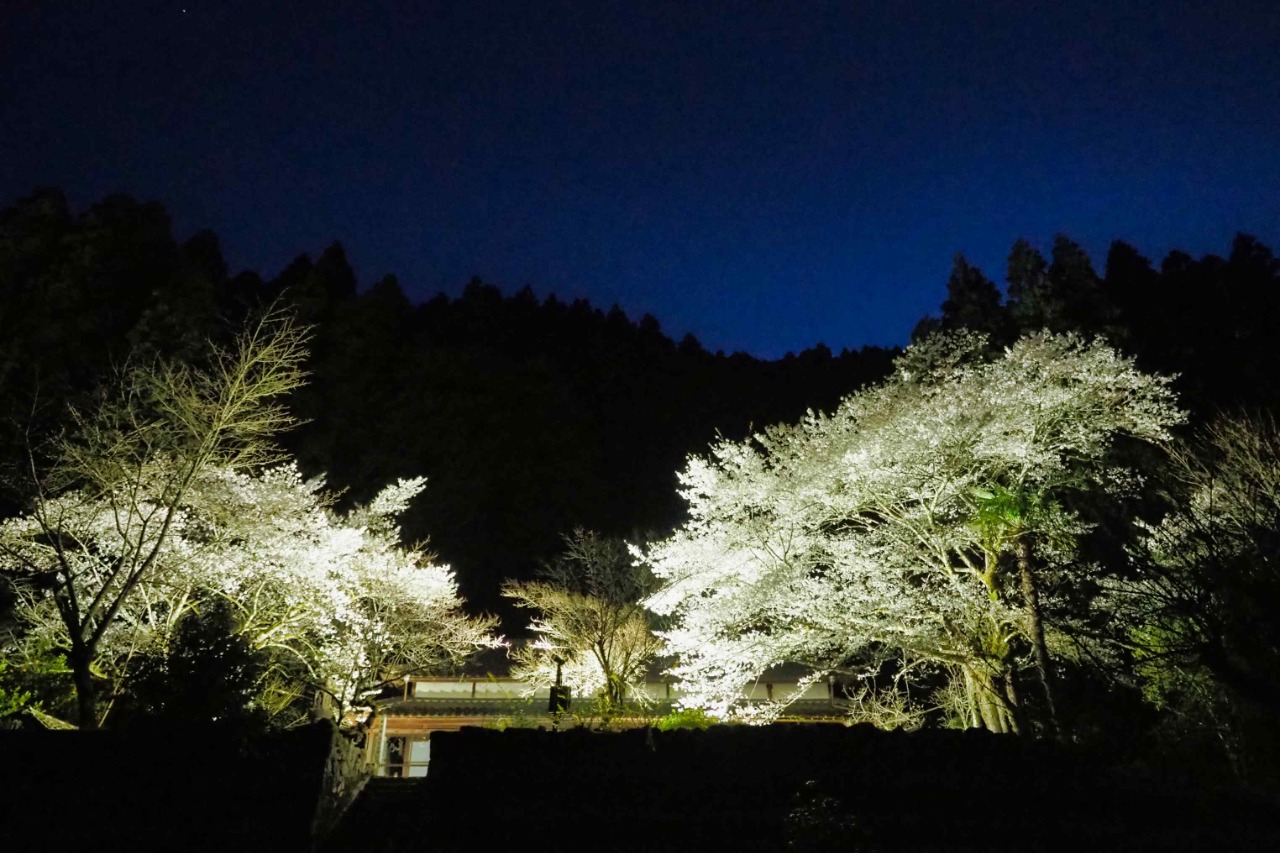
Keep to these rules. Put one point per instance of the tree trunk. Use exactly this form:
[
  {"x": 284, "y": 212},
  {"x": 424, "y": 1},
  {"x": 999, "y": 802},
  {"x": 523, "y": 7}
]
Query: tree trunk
[
  {"x": 86, "y": 692},
  {"x": 972, "y": 693},
  {"x": 614, "y": 691},
  {"x": 988, "y": 705},
  {"x": 1012, "y": 704},
  {"x": 1035, "y": 626}
]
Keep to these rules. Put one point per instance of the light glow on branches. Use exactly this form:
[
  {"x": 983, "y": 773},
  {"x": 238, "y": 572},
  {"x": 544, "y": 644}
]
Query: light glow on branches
[
  {"x": 852, "y": 539},
  {"x": 334, "y": 600}
]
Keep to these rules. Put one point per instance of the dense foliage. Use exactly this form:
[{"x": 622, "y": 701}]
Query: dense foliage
[
  {"x": 1196, "y": 617},
  {"x": 109, "y": 502},
  {"x": 920, "y": 522},
  {"x": 535, "y": 416},
  {"x": 531, "y": 416},
  {"x": 592, "y": 633},
  {"x": 168, "y": 496}
]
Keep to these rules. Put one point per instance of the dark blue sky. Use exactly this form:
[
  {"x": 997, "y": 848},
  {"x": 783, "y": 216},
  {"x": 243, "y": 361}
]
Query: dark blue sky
[{"x": 764, "y": 177}]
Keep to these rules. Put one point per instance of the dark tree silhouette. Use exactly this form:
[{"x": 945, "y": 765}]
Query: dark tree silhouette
[
  {"x": 209, "y": 674},
  {"x": 973, "y": 302}
]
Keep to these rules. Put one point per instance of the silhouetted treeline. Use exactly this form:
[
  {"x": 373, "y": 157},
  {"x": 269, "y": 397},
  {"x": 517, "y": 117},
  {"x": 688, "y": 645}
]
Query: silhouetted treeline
[
  {"x": 531, "y": 416},
  {"x": 1212, "y": 321},
  {"x": 528, "y": 416}
]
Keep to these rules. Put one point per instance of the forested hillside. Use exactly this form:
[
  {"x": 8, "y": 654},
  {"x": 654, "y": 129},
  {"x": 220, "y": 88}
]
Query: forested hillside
[
  {"x": 531, "y": 416},
  {"x": 528, "y": 416}
]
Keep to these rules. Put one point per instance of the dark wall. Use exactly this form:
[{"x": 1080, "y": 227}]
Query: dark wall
[
  {"x": 176, "y": 790},
  {"x": 750, "y": 788}
]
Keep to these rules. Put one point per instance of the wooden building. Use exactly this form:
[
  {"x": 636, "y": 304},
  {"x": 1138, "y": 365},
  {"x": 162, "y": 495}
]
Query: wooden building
[{"x": 399, "y": 734}]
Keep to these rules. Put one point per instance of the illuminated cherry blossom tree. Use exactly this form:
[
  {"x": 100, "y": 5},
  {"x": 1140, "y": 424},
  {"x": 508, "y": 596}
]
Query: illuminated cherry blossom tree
[
  {"x": 106, "y": 508},
  {"x": 332, "y": 601},
  {"x": 334, "y": 596},
  {"x": 914, "y": 524},
  {"x": 171, "y": 494},
  {"x": 592, "y": 631}
]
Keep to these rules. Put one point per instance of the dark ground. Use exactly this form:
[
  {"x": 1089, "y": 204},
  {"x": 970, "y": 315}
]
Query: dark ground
[{"x": 790, "y": 787}]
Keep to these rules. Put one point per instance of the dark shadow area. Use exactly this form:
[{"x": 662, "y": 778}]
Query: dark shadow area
[
  {"x": 164, "y": 789},
  {"x": 800, "y": 788}
]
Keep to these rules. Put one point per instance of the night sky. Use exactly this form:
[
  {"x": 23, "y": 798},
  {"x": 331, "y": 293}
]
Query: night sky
[{"x": 764, "y": 177}]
